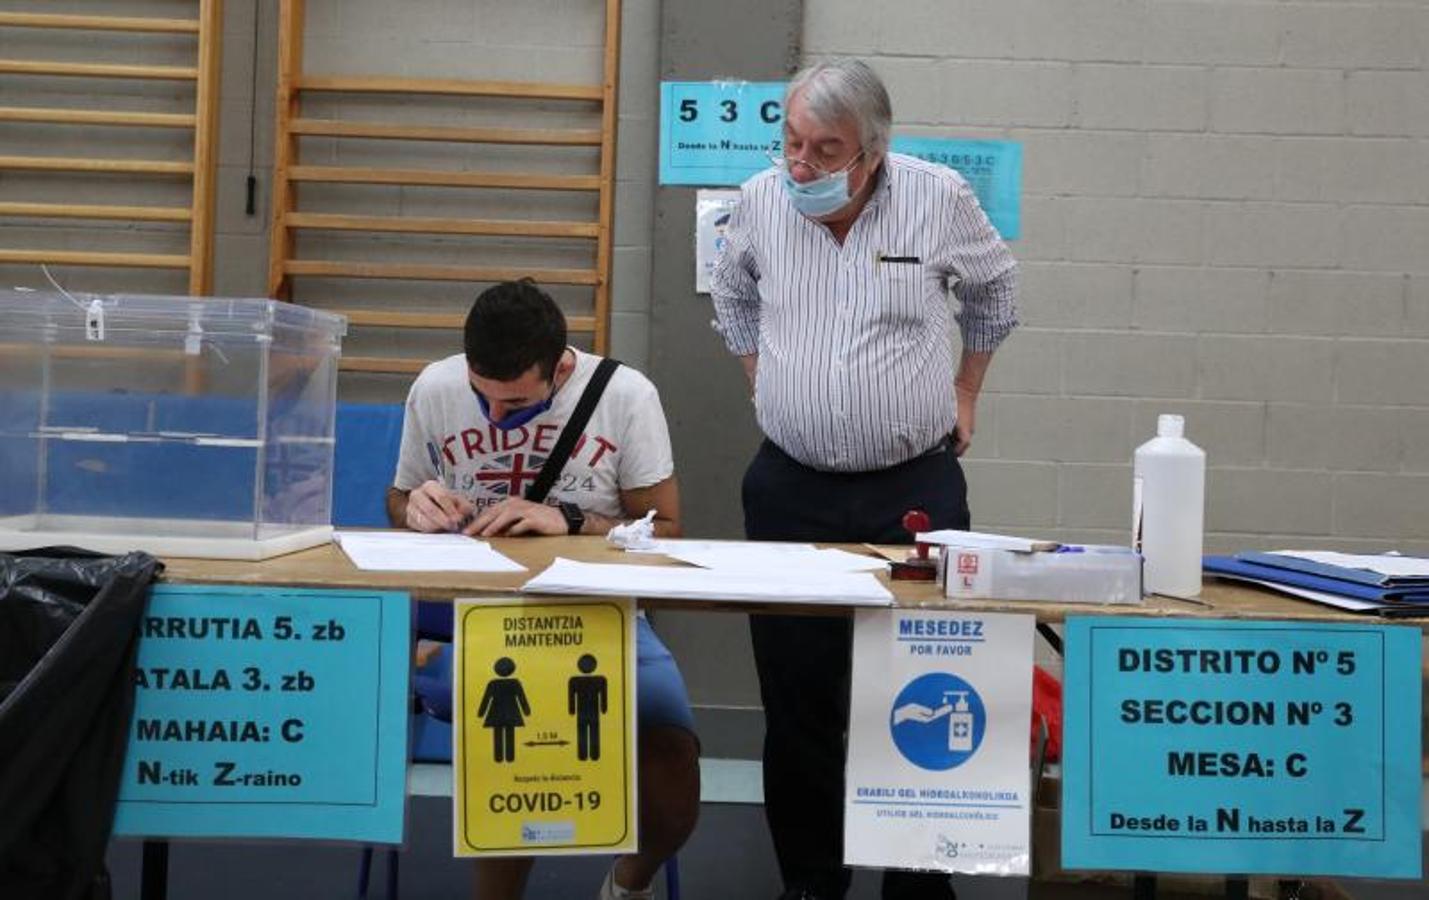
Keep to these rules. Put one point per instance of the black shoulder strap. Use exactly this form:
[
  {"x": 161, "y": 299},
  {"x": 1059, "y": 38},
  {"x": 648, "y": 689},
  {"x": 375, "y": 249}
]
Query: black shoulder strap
[{"x": 551, "y": 469}]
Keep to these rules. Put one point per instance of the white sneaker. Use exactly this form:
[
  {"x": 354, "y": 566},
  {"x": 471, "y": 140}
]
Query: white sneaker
[{"x": 609, "y": 890}]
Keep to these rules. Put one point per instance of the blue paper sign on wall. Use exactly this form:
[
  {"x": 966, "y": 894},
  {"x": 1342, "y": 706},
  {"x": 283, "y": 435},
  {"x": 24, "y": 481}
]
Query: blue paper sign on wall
[
  {"x": 719, "y": 133},
  {"x": 265, "y": 712},
  {"x": 1246, "y": 747}
]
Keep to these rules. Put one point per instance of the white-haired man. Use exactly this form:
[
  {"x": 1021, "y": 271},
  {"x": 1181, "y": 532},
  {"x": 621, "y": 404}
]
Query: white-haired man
[{"x": 833, "y": 293}]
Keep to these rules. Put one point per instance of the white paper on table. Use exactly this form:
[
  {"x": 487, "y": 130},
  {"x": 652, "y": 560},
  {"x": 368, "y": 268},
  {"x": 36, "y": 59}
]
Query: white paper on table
[
  {"x": 949, "y": 537},
  {"x": 1389, "y": 564},
  {"x": 753, "y": 558},
  {"x": 566, "y": 576},
  {"x": 409, "y": 551},
  {"x": 673, "y": 545}
]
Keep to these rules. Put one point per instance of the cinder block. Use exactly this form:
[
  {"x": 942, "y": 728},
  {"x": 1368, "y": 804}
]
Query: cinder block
[
  {"x": 636, "y": 148},
  {"x": 1267, "y": 500},
  {"x": 1183, "y": 298},
  {"x": 1320, "y": 436},
  {"x": 1336, "y": 303},
  {"x": 1090, "y": 163},
  {"x": 1095, "y": 497},
  {"x": 837, "y": 29},
  {"x": 1141, "y": 98},
  {"x": 1016, "y": 494},
  {"x": 1273, "y": 234},
  {"x": 1416, "y": 317},
  {"x": 1110, "y": 364},
  {"x": 912, "y": 86},
  {"x": 1343, "y": 36},
  {"x": 639, "y": 88},
  {"x": 1232, "y": 434},
  {"x": 1352, "y": 170},
  {"x": 1385, "y": 506},
  {"x": 1278, "y": 101},
  {"x": 1383, "y": 373},
  {"x": 1028, "y": 94},
  {"x": 1028, "y": 362},
  {"x": 1220, "y": 34},
  {"x": 240, "y": 265},
  {"x": 634, "y": 213},
  {"x": 1044, "y": 229},
  {"x": 963, "y": 29},
  {"x": 1388, "y": 103},
  {"x": 1081, "y": 30},
  {"x": 630, "y": 338},
  {"x": 630, "y": 289},
  {"x": 1074, "y": 295},
  {"x": 1064, "y": 429},
  {"x": 1266, "y": 368},
  {"x": 1395, "y": 238},
  {"x": 552, "y": 23},
  {"x": 1414, "y": 438},
  {"x": 1208, "y": 167},
  {"x": 1115, "y": 229}
]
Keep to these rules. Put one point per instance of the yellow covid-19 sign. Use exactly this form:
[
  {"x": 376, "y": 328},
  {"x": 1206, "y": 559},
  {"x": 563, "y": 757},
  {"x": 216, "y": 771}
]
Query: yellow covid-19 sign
[{"x": 544, "y": 727}]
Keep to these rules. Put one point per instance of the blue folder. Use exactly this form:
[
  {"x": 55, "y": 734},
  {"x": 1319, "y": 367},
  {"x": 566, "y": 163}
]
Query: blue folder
[
  {"x": 1242, "y": 568},
  {"x": 1339, "y": 573}
]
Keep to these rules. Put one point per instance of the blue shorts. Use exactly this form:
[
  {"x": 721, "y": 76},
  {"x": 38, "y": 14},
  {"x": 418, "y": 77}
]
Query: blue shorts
[{"x": 659, "y": 686}]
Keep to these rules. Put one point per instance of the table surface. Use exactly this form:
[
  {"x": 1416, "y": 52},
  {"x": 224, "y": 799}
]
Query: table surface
[{"x": 326, "y": 567}]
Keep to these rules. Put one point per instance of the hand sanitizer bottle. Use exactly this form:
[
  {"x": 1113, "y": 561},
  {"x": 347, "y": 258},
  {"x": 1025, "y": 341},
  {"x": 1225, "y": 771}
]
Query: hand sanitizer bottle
[
  {"x": 960, "y": 723},
  {"x": 1170, "y": 497}
]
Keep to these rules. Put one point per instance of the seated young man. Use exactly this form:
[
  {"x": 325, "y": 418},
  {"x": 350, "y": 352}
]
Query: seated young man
[{"x": 479, "y": 427}]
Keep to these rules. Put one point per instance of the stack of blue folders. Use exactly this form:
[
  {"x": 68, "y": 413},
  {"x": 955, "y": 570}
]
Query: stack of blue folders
[{"x": 1359, "y": 587}]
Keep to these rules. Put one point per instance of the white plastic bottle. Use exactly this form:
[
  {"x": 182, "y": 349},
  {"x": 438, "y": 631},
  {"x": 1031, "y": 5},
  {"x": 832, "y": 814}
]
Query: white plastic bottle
[{"x": 1170, "y": 492}]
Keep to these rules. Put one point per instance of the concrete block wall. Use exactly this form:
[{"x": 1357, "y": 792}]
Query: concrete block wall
[
  {"x": 1226, "y": 216},
  {"x": 531, "y": 40}
]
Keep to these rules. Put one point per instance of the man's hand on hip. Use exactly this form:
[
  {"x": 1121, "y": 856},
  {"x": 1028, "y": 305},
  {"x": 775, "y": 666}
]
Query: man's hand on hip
[
  {"x": 967, "y": 421},
  {"x": 432, "y": 507},
  {"x": 516, "y": 516}
]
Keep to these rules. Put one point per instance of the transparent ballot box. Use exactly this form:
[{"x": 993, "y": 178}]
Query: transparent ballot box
[{"x": 182, "y": 426}]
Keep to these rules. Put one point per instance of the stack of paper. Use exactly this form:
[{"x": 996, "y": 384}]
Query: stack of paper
[
  {"x": 566, "y": 576},
  {"x": 1388, "y": 584},
  {"x": 979, "y": 540},
  {"x": 409, "y": 551}
]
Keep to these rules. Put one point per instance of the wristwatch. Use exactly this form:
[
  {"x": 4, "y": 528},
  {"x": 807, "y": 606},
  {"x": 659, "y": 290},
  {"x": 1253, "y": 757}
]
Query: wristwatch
[{"x": 575, "y": 517}]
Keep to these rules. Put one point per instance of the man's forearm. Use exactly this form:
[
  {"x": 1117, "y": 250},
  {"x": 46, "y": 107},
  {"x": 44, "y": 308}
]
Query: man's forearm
[
  {"x": 397, "y": 507},
  {"x": 751, "y": 368},
  {"x": 972, "y": 369}
]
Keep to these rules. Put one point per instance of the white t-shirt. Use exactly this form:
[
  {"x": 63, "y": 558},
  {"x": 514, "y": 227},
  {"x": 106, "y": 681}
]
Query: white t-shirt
[{"x": 445, "y": 436}]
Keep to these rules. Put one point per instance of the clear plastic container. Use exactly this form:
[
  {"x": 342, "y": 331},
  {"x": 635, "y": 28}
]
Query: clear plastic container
[
  {"x": 1077, "y": 574},
  {"x": 182, "y": 426}
]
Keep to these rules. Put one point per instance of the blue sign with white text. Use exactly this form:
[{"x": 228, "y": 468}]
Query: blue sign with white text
[
  {"x": 719, "y": 133},
  {"x": 1247, "y": 747},
  {"x": 267, "y": 712}
]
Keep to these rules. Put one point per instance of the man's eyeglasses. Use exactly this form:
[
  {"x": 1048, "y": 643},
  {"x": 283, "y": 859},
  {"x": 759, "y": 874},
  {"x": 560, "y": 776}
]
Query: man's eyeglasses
[{"x": 793, "y": 166}]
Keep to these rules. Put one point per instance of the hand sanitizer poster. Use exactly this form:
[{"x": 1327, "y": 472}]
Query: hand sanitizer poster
[{"x": 938, "y": 751}]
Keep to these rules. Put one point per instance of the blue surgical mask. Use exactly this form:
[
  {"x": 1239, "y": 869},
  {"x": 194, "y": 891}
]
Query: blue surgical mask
[
  {"x": 820, "y": 197},
  {"x": 515, "y": 418}
]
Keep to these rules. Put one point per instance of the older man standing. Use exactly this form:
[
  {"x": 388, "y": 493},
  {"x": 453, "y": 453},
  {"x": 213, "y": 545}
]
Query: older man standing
[{"x": 833, "y": 293}]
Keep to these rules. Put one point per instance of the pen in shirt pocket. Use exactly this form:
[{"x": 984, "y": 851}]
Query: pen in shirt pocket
[{"x": 881, "y": 257}]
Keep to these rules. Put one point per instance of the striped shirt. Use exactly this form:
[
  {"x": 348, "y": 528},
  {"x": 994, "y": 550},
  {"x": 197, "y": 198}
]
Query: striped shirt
[{"x": 855, "y": 341}]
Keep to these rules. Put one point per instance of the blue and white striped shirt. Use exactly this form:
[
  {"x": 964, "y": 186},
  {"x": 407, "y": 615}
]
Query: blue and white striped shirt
[{"x": 856, "y": 352}]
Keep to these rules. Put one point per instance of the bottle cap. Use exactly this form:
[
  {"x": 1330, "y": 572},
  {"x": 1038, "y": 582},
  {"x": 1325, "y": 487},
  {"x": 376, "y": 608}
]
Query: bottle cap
[{"x": 1170, "y": 426}]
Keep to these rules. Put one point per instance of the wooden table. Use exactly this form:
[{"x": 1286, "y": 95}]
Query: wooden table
[{"x": 327, "y": 567}]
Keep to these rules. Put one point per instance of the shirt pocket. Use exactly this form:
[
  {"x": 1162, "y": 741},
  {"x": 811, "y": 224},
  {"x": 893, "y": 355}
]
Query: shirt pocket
[{"x": 902, "y": 303}]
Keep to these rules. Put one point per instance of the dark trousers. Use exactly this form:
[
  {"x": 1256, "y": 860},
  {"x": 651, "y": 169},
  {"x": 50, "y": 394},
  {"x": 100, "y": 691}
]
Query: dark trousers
[{"x": 803, "y": 661}]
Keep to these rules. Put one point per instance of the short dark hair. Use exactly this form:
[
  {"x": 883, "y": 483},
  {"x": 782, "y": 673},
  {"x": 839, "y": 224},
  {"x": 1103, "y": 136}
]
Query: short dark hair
[{"x": 513, "y": 326}]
